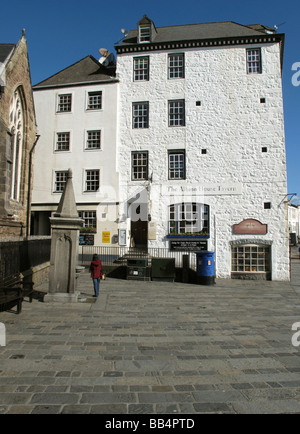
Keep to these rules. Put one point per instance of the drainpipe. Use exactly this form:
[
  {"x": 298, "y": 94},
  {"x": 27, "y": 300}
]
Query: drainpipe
[{"x": 29, "y": 184}]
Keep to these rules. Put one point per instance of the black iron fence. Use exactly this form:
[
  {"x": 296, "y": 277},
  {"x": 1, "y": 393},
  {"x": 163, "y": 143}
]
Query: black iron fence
[
  {"x": 17, "y": 256},
  {"x": 114, "y": 256}
]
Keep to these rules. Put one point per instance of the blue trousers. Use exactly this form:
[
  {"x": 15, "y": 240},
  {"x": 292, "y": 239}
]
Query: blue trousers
[{"x": 96, "y": 283}]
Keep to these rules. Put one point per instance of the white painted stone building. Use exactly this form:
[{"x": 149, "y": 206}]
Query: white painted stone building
[
  {"x": 294, "y": 219},
  {"x": 77, "y": 123},
  {"x": 201, "y": 146}
]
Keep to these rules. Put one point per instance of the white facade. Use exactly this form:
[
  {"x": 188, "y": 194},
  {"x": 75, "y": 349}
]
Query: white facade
[
  {"x": 232, "y": 147},
  {"x": 84, "y": 140},
  {"x": 192, "y": 153},
  {"x": 294, "y": 219}
]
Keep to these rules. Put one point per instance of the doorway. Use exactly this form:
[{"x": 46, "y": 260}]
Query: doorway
[
  {"x": 139, "y": 232},
  {"x": 138, "y": 213}
]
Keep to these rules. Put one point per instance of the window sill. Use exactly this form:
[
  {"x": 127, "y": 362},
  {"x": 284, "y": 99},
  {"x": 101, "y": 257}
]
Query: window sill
[
  {"x": 92, "y": 149},
  {"x": 263, "y": 275}
]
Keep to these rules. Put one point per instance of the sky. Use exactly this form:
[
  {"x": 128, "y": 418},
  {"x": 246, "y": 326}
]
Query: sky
[{"x": 61, "y": 32}]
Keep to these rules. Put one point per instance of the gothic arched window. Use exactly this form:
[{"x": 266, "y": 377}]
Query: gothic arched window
[{"x": 16, "y": 119}]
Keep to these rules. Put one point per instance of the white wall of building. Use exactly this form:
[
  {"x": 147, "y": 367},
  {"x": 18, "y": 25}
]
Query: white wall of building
[
  {"x": 47, "y": 160},
  {"x": 294, "y": 219},
  {"x": 235, "y": 178}
]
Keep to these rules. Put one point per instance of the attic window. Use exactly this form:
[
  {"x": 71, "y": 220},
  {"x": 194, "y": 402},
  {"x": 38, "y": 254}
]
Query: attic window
[{"x": 144, "y": 33}]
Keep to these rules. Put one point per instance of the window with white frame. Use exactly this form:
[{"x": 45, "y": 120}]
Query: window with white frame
[
  {"x": 62, "y": 141},
  {"x": 139, "y": 166},
  {"x": 250, "y": 258},
  {"x": 254, "y": 61},
  {"x": 93, "y": 139},
  {"x": 141, "y": 68},
  {"x": 176, "y": 164},
  {"x": 95, "y": 100},
  {"x": 60, "y": 179},
  {"x": 189, "y": 218},
  {"x": 144, "y": 33},
  {"x": 64, "y": 103},
  {"x": 140, "y": 114},
  {"x": 92, "y": 180},
  {"x": 176, "y": 113},
  {"x": 89, "y": 219},
  {"x": 176, "y": 65}
]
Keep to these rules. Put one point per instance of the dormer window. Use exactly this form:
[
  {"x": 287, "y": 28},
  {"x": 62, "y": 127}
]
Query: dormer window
[
  {"x": 145, "y": 33},
  {"x": 146, "y": 30}
]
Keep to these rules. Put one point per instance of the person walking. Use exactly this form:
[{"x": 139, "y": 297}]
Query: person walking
[{"x": 96, "y": 273}]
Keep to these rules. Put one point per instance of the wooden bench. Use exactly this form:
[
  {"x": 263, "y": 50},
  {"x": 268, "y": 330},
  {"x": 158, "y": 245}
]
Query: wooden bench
[
  {"x": 12, "y": 293},
  {"x": 11, "y": 297}
]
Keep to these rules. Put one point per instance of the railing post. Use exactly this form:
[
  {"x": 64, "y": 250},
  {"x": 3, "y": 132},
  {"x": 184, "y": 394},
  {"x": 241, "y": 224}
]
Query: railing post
[{"x": 185, "y": 268}]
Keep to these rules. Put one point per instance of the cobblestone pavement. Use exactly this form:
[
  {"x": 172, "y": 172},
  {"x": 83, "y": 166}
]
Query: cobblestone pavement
[{"x": 156, "y": 348}]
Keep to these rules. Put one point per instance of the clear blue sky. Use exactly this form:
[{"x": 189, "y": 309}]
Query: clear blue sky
[{"x": 61, "y": 32}]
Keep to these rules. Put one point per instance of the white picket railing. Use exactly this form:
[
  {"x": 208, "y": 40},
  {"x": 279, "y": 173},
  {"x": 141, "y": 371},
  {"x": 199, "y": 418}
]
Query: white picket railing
[{"x": 114, "y": 256}]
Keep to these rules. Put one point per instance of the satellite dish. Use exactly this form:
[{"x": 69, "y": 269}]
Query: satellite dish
[
  {"x": 107, "y": 59},
  {"x": 103, "y": 61},
  {"x": 104, "y": 52},
  {"x": 281, "y": 24},
  {"x": 125, "y": 33}
]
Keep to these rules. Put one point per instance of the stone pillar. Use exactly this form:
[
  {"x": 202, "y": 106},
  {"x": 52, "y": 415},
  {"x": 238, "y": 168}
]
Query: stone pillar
[{"x": 65, "y": 226}]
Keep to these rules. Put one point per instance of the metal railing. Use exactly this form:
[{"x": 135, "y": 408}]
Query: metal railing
[
  {"x": 114, "y": 256},
  {"x": 21, "y": 255}
]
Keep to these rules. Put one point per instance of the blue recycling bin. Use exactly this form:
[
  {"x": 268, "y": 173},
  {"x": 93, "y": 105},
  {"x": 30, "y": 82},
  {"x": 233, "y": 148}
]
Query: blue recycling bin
[{"x": 205, "y": 267}]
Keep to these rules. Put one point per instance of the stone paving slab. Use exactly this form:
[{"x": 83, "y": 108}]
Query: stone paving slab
[{"x": 155, "y": 348}]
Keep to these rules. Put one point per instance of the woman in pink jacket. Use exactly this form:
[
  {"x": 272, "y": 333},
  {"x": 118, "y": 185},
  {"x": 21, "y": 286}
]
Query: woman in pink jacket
[{"x": 96, "y": 273}]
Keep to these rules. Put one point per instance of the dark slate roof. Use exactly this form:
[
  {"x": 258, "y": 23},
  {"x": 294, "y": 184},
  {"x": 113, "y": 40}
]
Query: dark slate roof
[
  {"x": 86, "y": 70},
  {"x": 226, "y": 29},
  {"x": 145, "y": 20},
  {"x": 5, "y": 50}
]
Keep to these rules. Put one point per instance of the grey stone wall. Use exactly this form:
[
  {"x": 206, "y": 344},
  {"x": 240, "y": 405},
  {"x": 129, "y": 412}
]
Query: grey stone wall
[{"x": 13, "y": 214}]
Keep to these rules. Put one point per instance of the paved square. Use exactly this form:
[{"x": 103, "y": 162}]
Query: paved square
[{"x": 156, "y": 348}]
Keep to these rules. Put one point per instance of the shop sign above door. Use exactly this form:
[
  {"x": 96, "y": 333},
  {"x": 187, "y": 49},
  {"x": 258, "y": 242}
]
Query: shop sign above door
[{"x": 250, "y": 226}]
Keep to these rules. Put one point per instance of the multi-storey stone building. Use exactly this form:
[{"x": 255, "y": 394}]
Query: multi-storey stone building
[
  {"x": 17, "y": 139},
  {"x": 183, "y": 149},
  {"x": 201, "y": 146}
]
